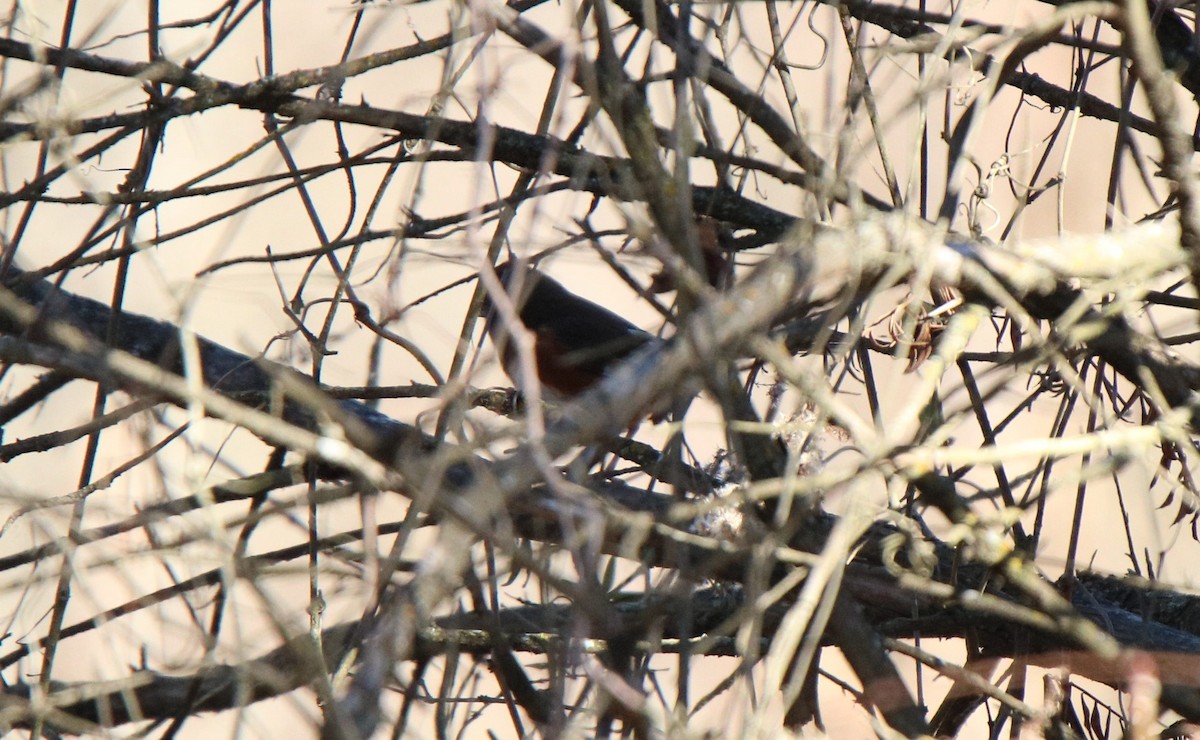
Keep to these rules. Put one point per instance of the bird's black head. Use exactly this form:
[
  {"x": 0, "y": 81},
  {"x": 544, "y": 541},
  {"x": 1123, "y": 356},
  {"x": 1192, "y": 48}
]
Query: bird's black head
[{"x": 537, "y": 297}]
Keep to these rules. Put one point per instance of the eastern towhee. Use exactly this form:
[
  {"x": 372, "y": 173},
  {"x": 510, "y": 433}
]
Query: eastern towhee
[{"x": 576, "y": 340}]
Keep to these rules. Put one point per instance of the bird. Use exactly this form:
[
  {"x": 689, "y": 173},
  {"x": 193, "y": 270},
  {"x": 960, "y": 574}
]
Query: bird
[{"x": 576, "y": 341}]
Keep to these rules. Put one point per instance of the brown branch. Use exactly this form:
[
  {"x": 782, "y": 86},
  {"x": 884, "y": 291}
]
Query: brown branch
[{"x": 546, "y": 629}]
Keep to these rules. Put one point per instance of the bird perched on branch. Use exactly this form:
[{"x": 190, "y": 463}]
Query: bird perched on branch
[{"x": 576, "y": 341}]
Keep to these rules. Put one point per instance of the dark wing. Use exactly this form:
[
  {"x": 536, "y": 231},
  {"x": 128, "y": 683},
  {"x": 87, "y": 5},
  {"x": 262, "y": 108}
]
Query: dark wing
[
  {"x": 577, "y": 340},
  {"x": 588, "y": 335},
  {"x": 592, "y": 346}
]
